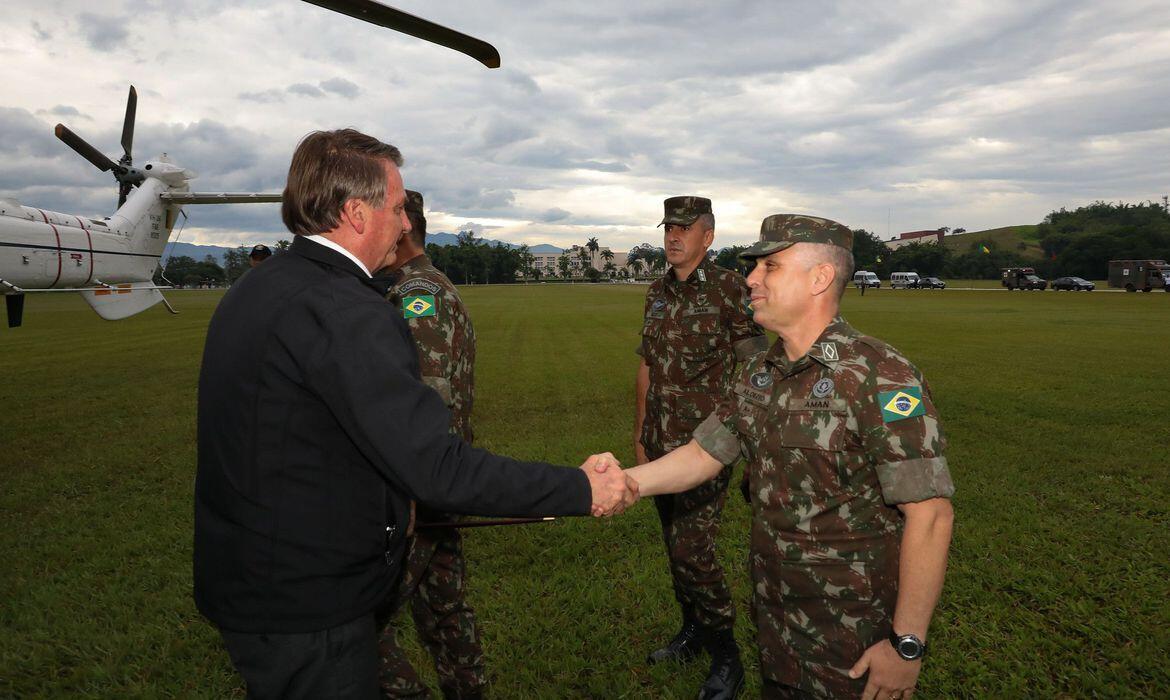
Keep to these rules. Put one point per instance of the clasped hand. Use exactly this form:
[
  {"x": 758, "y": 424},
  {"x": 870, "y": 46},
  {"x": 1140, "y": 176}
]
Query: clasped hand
[{"x": 613, "y": 491}]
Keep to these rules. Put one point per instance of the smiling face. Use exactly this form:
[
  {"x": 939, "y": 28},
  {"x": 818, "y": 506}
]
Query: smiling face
[
  {"x": 782, "y": 288},
  {"x": 686, "y": 245}
]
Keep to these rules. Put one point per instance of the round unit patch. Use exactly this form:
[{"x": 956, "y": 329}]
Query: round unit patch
[
  {"x": 822, "y": 388},
  {"x": 761, "y": 380},
  {"x": 658, "y": 305}
]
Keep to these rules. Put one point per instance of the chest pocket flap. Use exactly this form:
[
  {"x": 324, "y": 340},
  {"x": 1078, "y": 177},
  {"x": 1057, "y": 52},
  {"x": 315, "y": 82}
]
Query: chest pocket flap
[{"x": 814, "y": 424}]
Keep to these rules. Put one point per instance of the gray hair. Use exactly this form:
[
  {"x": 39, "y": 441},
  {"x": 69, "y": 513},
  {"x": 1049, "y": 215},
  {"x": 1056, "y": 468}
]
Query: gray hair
[
  {"x": 330, "y": 168},
  {"x": 707, "y": 220},
  {"x": 827, "y": 253}
]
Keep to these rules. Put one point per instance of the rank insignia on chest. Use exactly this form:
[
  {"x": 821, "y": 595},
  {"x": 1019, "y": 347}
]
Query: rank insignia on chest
[
  {"x": 822, "y": 388},
  {"x": 901, "y": 403},
  {"x": 417, "y": 307},
  {"x": 702, "y": 274},
  {"x": 829, "y": 352}
]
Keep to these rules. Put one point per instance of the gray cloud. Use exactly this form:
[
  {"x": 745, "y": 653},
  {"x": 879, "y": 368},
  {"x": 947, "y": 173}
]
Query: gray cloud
[
  {"x": 554, "y": 214},
  {"x": 341, "y": 86},
  {"x": 104, "y": 33},
  {"x": 306, "y": 90}
]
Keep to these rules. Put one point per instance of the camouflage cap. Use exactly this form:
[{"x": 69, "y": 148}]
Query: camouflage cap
[
  {"x": 684, "y": 210},
  {"x": 780, "y": 231},
  {"x": 414, "y": 202}
]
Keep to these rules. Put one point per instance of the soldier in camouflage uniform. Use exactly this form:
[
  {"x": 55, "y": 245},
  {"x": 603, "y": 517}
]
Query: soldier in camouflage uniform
[
  {"x": 849, "y": 485},
  {"x": 433, "y": 579},
  {"x": 697, "y": 326}
]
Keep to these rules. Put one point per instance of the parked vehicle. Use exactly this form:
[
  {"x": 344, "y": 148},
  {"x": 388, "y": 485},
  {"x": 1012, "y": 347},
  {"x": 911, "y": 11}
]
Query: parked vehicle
[
  {"x": 1073, "y": 284},
  {"x": 863, "y": 278},
  {"x": 903, "y": 280},
  {"x": 930, "y": 283},
  {"x": 1145, "y": 275},
  {"x": 1022, "y": 278}
]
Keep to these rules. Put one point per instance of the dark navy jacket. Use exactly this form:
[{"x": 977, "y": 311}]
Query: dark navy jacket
[{"x": 314, "y": 432}]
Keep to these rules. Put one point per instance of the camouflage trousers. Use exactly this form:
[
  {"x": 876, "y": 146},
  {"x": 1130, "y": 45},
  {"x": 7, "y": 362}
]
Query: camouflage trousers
[
  {"x": 690, "y": 522},
  {"x": 433, "y": 585}
]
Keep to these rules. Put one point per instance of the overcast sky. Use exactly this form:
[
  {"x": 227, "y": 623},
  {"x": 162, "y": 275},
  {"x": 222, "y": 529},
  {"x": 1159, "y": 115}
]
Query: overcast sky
[{"x": 892, "y": 116}]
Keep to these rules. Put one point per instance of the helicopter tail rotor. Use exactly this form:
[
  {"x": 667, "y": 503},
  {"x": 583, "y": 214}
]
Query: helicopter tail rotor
[{"x": 124, "y": 171}]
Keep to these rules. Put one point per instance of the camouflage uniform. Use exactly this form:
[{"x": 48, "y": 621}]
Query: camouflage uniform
[
  {"x": 694, "y": 332},
  {"x": 433, "y": 579},
  {"x": 833, "y": 442}
]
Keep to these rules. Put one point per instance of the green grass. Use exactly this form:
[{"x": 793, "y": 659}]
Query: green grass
[
  {"x": 1055, "y": 406},
  {"x": 1006, "y": 238}
]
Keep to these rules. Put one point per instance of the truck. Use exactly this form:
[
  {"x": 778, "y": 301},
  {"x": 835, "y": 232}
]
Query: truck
[
  {"x": 1022, "y": 278},
  {"x": 1132, "y": 275}
]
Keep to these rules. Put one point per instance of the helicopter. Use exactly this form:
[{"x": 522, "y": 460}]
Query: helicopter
[{"x": 111, "y": 260}]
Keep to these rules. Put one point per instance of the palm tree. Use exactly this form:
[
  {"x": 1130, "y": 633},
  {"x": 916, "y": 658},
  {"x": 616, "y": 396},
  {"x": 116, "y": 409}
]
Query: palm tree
[
  {"x": 583, "y": 255},
  {"x": 526, "y": 259},
  {"x": 636, "y": 263},
  {"x": 563, "y": 265},
  {"x": 607, "y": 255},
  {"x": 610, "y": 268},
  {"x": 592, "y": 246}
]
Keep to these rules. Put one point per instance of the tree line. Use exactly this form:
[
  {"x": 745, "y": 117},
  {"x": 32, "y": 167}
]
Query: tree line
[{"x": 1079, "y": 242}]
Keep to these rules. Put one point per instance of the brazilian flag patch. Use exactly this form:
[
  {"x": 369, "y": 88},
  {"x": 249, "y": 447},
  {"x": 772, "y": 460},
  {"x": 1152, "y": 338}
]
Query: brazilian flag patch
[
  {"x": 901, "y": 403},
  {"x": 417, "y": 307}
]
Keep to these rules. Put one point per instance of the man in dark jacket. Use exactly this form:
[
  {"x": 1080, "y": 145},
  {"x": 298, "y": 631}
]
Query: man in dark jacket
[{"x": 315, "y": 432}]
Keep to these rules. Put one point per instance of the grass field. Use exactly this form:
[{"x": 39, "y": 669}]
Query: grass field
[{"x": 1056, "y": 407}]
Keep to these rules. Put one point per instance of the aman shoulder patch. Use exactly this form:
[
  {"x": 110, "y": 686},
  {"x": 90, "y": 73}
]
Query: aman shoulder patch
[
  {"x": 901, "y": 403},
  {"x": 418, "y": 307}
]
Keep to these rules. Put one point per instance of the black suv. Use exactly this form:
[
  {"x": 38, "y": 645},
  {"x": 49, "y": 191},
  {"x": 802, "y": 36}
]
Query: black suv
[
  {"x": 930, "y": 283},
  {"x": 1073, "y": 284}
]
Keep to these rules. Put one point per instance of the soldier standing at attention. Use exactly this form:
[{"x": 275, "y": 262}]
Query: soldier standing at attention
[
  {"x": 697, "y": 326},
  {"x": 433, "y": 580},
  {"x": 850, "y": 490}
]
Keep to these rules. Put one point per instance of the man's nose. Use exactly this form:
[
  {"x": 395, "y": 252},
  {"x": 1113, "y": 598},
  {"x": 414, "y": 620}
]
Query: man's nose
[{"x": 755, "y": 277}]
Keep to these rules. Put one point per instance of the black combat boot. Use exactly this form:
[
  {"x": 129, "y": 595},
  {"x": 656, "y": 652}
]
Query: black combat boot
[
  {"x": 725, "y": 681},
  {"x": 685, "y": 646}
]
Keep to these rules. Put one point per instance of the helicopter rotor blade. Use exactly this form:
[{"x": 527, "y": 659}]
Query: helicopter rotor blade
[
  {"x": 391, "y": 18},
  {"x": 86, "y": 151},
  {"x": 128, "y": 124}
]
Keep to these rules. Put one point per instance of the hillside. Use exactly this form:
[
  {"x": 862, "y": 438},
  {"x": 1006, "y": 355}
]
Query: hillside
[{"x": 1022, "y": 239}]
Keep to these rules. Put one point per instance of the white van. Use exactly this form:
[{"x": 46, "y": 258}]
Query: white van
[
  {"x": 904, "y": 280},
  {"x": 861, "y": 278}
]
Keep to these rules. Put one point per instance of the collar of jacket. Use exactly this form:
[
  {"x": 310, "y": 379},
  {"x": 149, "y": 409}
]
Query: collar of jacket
[
  {"x": 327, "y": 256},
  {"x": 824, "y": 350},
  {"x": 693, "y": 279}
]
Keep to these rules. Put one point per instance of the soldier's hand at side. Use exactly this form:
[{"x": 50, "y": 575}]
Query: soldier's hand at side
[{"x": 890, "y": 676}]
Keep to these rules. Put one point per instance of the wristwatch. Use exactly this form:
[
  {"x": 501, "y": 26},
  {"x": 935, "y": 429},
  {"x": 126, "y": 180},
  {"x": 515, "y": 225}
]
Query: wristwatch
[{"x": 908, "y": 646}]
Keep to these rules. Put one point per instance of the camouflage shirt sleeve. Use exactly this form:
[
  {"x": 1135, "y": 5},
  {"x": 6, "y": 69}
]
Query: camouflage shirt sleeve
[
  {"x": 901, "y": 434},
  {"x": 433, "y": 336},
  {"x": 641, "y": 349},
  {"x": 747, "y": 338}
]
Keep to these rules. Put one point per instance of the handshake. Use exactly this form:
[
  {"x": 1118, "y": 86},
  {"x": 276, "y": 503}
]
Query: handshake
[{"x": 613, "y": 490}]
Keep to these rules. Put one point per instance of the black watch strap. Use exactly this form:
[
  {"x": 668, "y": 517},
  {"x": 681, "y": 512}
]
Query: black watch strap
[{"x": 908, "y": 646}]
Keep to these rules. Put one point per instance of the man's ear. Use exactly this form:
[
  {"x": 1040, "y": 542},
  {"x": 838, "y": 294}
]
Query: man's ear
[
  {"x": 824, "y": 275},
  {"x": 709, "y": 238},
  {"x": 354, "y": 213}
]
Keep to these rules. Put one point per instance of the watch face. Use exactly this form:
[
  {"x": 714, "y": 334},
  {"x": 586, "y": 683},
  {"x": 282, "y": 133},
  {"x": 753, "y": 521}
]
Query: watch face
[{"x": 909, "y": 648}]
